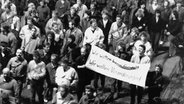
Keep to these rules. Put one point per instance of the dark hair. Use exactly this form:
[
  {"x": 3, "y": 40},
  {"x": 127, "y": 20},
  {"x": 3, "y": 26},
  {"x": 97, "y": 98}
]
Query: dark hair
[
  {"x": 93, "y": 20},
  {"x": 157, "y": 11},
  {"x": 6, "y": 29},
  {"x": 175, "y": 14},
  {"x": 145, "y": 34},
  {"x": 160, "y": 67},
  {"x": 65, "y": 61},
  {"x": 90, "y": 88},
  {"x": 37, "y": 53},
  {"x": 55, "y": 12},
  {"x": 143, "y": 47},
  {"x": 65, "y": 87},
  {"x": 119, "y": 16},
  {"x": 51, "y": 33},
  {"x": 72, "y": 37}
]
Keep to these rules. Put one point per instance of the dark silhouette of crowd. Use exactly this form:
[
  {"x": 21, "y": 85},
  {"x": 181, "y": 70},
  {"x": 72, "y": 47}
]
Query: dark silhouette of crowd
[{"x": 44, "y": 45}]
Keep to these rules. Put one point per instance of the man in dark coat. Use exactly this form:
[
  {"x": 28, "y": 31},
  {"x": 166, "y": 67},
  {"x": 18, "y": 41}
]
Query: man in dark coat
[{"x": 155, "y": 27}]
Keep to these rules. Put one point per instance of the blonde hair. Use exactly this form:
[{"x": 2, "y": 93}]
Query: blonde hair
[{"x": 139, "y": 13}]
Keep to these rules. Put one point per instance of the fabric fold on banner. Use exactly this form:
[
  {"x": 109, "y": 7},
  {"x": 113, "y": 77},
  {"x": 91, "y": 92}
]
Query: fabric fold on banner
[{"x": 104, "y": 63}]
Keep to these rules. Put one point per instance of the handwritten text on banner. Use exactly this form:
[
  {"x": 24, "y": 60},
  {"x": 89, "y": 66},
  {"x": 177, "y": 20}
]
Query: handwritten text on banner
[{"x": 104, "y": 63}]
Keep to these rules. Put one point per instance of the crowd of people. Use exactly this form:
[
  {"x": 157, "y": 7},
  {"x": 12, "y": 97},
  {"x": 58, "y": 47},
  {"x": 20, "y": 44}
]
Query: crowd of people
[{"x": 44, "y": 45}]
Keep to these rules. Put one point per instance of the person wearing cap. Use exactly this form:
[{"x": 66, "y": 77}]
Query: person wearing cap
[
  {"x": 8, "y": 88},
  {"x": 35, "y": 76},
  {"x": 17, "y": 66},
  {"x": 93, "y": 34}
]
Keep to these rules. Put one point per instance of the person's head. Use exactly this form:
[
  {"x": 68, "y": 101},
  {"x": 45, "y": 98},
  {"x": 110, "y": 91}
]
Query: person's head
[
  {"x": 121, "y": 47},
  {"x": 89, "y": 90},
  {"x": 50, "y": 36},
  {"x": 47, "y": 47},
  {"x": 30, "y": 22},
  {"x": 143, "y": 36},
  {"x": 141, "y": 49},
  {"x": 83, "y": 51},
  {"x": 154, "y": 2},
  {"x": 42, "y": 2},
  {"x": 37, "y": 56},
  {"x": 5, "y": 30},
  {"x": 31, "y": 6},
  {"x": 174, "y": 15},
  {"x": 119, "y": 19},
  {"x": 93, "y": 23},
  {"x": 19, "y": 54},
  {"x": 166, "y": 3},
  {"x": 71, "y": 39},
  {"x": 63, "y": 90},
  {"x": 55, "y": 26},
  {"x": 6, "y": 73},
  {"x": 157, "y": 13},
  {"x": 178, "y": 4},
  {"x": 158, "y": 69},
  {"x": 134, "y": 31},
  {"x": 79, "y": 2},
  {"x": 73, "y": 10},
  {"x": 65, "y": 64},
  {"x": 62, "y": 1},
  {"x": 54, "y": 14},
  {"x": 105, "y": 14},
  {"x": 8, "y": 8},
  {"x": 93, "y": 6},
  {"x": 54, "y": 58},
  {"x": 139, "y": 13},
  {"x": 142, "y": 5},
  {"x": 34, "y": 31},
  {"x": 72, "y": 24}
]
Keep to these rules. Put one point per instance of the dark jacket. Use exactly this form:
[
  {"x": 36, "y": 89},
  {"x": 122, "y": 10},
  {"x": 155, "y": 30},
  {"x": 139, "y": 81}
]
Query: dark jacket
[
  {"x": 154, "y": 26},
  {"x": 174, "y": 27},
  {"x": 139, "y": 23},
  {"x": 105, "y": 29}
]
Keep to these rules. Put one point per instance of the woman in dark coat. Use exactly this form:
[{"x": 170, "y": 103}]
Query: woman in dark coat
[{"x": 139, "y": 21}]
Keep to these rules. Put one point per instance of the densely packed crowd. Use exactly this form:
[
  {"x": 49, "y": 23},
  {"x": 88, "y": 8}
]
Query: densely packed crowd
[{"x": 44, "y": 45}]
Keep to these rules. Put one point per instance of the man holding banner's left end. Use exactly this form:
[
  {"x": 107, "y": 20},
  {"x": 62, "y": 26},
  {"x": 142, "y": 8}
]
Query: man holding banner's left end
[{"x": 139, "y": 58}]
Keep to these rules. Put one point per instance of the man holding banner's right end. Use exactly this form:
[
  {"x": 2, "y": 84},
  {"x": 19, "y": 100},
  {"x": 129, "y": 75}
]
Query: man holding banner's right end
[{"x": 139, "y": 58}]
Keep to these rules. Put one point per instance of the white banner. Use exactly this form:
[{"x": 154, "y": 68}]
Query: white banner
[{"x": 104, "y": 63}]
